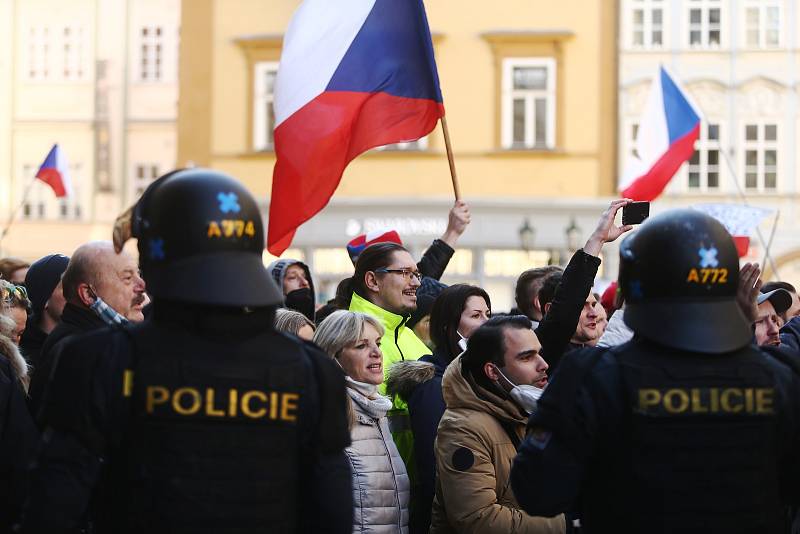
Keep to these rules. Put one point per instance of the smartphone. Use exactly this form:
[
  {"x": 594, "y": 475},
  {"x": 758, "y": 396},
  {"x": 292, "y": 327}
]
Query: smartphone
[{"x": 635, "y": 212}]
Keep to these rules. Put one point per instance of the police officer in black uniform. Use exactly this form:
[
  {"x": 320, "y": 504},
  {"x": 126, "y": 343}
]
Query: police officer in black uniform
[
  {"x": 202, "y": 418},
  {"x": 687, "y": 428}
]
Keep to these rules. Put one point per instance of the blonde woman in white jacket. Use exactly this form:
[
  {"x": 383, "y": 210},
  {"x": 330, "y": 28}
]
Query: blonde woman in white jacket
[{"x": 381, "y": 488}]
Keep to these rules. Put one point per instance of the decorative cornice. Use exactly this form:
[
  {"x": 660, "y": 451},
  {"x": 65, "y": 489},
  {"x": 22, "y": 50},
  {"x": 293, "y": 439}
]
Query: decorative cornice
[{"x": 523, "y": 36}]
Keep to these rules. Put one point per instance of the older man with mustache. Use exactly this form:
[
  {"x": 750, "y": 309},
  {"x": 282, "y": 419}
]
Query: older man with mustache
[{"x": 101, "y": 288}]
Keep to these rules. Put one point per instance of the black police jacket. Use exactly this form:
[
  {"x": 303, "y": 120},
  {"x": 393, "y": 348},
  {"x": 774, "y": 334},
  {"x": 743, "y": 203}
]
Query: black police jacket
[
  {"x": 199, "y": 420},
  {"x": 644, "y": 438}
]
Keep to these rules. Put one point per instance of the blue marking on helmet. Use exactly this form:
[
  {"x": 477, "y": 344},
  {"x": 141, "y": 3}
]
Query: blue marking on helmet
[
  {"x": 708, "y": 257},
  {"x": 636, "y": 289},
  {"x": 228, "y": 202},
  {"x": 156, "y": 249}
]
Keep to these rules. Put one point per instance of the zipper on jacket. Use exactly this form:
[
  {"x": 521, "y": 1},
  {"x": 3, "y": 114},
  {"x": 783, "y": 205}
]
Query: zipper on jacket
[
  {"x": 397, "y": 338},
  {"x": 394, "y": 478}
]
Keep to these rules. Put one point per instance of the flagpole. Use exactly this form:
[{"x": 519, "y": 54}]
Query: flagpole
[
  {"x": 769, "y": 246},
  {"x": 450, "y": 159},
  {"x": 736, "y": 183},
  {"x": 13, "y": 215}
]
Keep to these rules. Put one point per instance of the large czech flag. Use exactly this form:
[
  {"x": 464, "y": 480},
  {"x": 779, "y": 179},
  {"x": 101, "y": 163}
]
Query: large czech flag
[
  {"x": 354, "y": 75},
  {"x": 665, "y": 139}
]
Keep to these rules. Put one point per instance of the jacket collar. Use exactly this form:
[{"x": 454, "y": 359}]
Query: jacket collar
[
  {"x": 81, "y": 318},
  {"x": 390, "y": 321},
  {"x": 461, "y": 391}
]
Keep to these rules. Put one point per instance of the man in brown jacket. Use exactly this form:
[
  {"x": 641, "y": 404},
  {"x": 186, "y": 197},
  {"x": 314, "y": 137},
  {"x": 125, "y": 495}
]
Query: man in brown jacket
[{"x": 489, "y": 392}]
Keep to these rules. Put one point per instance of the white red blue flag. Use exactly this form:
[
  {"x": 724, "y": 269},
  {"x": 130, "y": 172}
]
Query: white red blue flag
[
  {"x": 665, "y": 139},
  {"x": 354, "y": 75},
  {"x": 55, "y": 172}
]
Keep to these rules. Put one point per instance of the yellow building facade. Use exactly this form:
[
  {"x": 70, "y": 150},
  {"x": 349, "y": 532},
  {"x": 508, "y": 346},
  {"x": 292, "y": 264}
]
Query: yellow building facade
[{"x": 530, "y": 91}]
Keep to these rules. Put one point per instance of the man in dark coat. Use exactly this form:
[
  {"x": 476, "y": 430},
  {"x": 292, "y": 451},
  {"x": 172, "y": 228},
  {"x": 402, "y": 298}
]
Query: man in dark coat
[{"x": 43, "y": 282}]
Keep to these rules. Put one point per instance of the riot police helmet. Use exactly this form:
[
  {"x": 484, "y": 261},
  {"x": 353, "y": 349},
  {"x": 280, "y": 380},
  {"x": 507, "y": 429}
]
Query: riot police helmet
[
  {"x": 679, "y": 276},
  {"x": 200, "y": 239}
]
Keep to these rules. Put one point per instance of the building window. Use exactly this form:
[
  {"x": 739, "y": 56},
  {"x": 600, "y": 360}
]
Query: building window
[
  {"x": 32, "y": 194},
  {"x": 705, "y": 23},
  {"x": 144, "y": 174},
  {"x": 529, "y": 103},
  {"x": 704, "y": 165},
  {"x": 152, "y": 53},
  {"x": 56, "y": 53},
  {"x": 634, "y": 130},
  {"x": 72, "y": 45},
  {"x": 264, "y": 105},
  {"x": 70, "y": 207},
  {"x": 761, "y": 157},
  {"x": 647, "y": 23},
  {"x": 762, "y": 24},
  {"x": 38, "y": 53}
]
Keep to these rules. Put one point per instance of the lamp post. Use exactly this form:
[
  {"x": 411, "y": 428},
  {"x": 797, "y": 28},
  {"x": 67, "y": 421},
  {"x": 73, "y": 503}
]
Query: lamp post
[
  {"x": 527, "y": 236},
  {"x": 574, "y": 234}
]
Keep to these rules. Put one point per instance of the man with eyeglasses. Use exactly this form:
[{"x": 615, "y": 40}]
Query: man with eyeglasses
[{"x": 384, "y": 286}]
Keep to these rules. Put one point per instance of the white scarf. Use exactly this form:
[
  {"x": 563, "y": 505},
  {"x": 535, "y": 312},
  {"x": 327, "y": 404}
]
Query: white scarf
[{"x": 374, "y": 404}]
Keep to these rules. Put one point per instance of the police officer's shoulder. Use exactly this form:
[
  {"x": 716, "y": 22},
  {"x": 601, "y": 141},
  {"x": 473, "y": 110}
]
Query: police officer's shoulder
[
  {"x": 783, "y": 356},
  {"x": 321, "y": 359},
  {"x": 586, "y": 359},
  {"x": 87, "y": 353}
]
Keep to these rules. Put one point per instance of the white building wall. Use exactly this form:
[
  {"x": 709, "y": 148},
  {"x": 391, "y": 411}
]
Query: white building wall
[
  {"x": 75, "y": 85},
  {"x": 734, "y": 85}
]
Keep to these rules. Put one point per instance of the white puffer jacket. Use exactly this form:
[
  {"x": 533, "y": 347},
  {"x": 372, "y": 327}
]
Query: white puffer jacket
[{"x": 381, "y": 489}]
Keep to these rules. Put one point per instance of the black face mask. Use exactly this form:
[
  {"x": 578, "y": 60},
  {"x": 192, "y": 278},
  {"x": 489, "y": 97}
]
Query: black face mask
[{"x": 301, "y": 300}]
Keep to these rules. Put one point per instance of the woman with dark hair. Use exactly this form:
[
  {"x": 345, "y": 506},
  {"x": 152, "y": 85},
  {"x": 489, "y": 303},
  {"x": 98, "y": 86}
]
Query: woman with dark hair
[{"x": 457, "y": 312}]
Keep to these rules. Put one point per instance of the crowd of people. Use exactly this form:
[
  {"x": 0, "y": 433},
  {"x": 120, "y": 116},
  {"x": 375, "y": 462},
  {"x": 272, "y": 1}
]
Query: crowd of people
[{"x": 233, "y": 401}]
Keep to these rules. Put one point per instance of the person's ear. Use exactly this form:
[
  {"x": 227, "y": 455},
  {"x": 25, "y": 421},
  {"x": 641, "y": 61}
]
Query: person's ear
[
  {"x": 86, "y": 295},
  {"x": 547, "y": 308},
  {"x": 371, "y": 281},
  {"x": 490, "y": 370},
  {"x": 536, "y": 304}
]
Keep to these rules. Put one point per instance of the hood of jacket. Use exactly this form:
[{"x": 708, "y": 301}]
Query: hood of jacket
[
  {"x": 403, "y": 377},
  {"x": 617, "y": 332},
  {"x": 390, "y": 321},
  {"x": 460, "y": 390},
  {"x": 277, "y": 269}
]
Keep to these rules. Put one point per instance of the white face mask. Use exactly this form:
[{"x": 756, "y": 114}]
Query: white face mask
[
  {"x": 462, "y": 341},
  {"x": 525, "y": 395}
]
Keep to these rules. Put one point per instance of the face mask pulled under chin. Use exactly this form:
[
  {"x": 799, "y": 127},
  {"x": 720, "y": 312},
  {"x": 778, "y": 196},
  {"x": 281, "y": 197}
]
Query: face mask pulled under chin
[
  {"x": 462, "y": 341},
  {"x": 525, "y": 395}
]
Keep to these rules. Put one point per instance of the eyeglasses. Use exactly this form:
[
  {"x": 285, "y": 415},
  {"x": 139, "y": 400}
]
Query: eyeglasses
[{"x": 407, "y": 273}]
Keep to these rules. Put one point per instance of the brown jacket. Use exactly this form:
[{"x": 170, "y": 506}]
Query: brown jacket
[{"x": 473, "y": 459}]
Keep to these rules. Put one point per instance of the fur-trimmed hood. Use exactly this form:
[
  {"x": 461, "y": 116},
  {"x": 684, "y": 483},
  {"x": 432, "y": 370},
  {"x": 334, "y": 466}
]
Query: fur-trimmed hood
[
  {"x": 403, "y": 377},
  {"x": 8, "y": 349}
]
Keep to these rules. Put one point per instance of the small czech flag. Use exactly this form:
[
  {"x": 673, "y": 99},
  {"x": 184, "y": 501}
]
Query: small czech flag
[{"x": 55, "y": 172}]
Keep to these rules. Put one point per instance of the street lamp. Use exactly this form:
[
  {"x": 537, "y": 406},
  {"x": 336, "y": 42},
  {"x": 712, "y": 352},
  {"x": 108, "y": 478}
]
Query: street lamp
[
  {"x": 574, "y": 234},
  {"x": 527, "y": 236}
]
